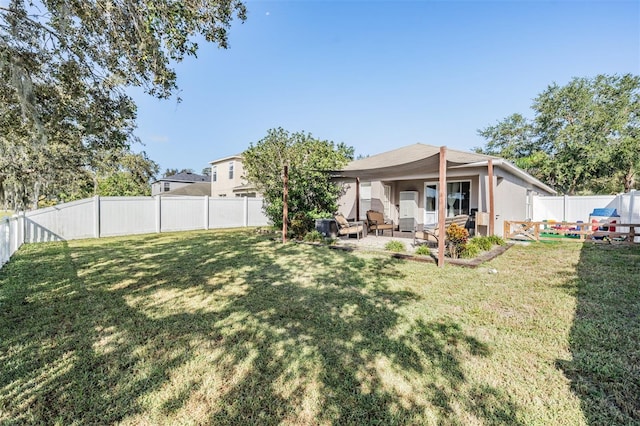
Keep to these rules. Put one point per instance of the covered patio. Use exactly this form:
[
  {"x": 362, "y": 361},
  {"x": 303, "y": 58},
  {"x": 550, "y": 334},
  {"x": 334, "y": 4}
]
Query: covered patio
[{"x": 405, "y": 184}]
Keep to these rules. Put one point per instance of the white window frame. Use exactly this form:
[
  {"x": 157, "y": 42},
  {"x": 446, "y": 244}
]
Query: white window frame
[
  {"x": 387, "y": 200},
  {"x": 365, "y": 199}
]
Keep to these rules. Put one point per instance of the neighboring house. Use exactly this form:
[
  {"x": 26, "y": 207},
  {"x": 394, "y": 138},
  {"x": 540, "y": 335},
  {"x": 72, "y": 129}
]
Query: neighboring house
[
  {"x": 196, "y": 189},
  {"x": 404, "y": 185},
  {"x": 227, "y": 178},
  {"x": 171, "y": 183}
]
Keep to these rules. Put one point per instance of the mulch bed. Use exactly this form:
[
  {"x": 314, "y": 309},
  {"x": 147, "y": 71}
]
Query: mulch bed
[{"x": 468, "y": 263}]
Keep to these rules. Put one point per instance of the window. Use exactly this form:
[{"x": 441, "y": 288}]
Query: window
[
  {"x": 214, "y": 173},
  {"x": 458, "y": 195},
  {"x": 167, "y": 186},
  {"x": 365, "y": 199},
  {"x": 387, "y": 201},
  {"x": 230, "y": 169}
]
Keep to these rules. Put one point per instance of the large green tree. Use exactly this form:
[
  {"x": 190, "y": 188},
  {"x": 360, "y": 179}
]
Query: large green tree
[
  {"x": 584, "y": 136},
  {"x": 311, "y": 190},
  {"x": 64, "y": 66},
  {"x": 130, "y": 175}
]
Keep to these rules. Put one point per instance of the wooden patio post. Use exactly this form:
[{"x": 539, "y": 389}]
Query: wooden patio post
[
  {"x": 357, "y": 198},
  {"x": 285, "y": 203},
  {"x": 492, "y": 213},
  {"x": 441, "y": 204}
]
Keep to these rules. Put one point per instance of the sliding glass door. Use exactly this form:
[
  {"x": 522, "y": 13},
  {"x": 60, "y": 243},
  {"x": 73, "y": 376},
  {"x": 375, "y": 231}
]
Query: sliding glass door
[{"x": 457, "y": 201}]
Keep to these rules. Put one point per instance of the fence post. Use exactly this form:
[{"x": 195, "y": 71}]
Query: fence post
[
  {"x": 96, "y": 216},
  {"x": 20, "y": 228},
  {"x": 246, "y": 211},
  {"x": 632, "y": 196},
  {"x": 158, "y": 214},
  {"x": 4, "y": 225},
  {"x": 15, "y": 234},
  {"x": 565, "y": 207},
  {"x": 206, "y": 212}
]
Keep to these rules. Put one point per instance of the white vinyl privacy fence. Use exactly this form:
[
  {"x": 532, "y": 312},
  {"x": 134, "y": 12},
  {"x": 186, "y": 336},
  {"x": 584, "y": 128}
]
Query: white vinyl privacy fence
[
  {"x": 577, "y": 208},
  {"x": 11, "y": 237},
  {"x": 112, "y": 216}
]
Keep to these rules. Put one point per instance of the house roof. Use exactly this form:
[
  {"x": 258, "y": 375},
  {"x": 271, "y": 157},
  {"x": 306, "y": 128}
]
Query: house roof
[
  {"x": 417, "y": 159},
  {"x": 195, "y": 189},
  {"x": 185, "y": 177},
  {"x": 247, "y": 187},
  {"x": 224, "y": 159},
  {"x": 412, "y": 153}
]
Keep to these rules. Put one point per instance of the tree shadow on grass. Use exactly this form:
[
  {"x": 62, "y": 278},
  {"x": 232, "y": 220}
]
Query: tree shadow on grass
[
  {"x": 605, "y": 336},
  {"x": 226, "y": 328}
]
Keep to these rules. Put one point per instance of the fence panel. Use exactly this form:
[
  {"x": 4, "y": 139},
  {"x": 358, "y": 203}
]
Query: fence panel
[
  {"x": 548, "y": 208},
  {"x": 182, "y": 213},
  {"x": 255, "y": 215},
  {"x": 571, "y": 208},
  {"x": 226, "y": 212},
  {"x": 629, "y": 209},
  {"x": 68, "y": 221},
  {"x": 5, "y": 240},
  {"x": 11, "y": 237},
  {"x": 127, "y": 216}
]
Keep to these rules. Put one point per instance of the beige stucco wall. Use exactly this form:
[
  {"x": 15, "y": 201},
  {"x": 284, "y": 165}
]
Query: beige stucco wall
[
  {"x": 223, "y": 186},
  {"x": 347, "y": 201},
  {"x": 511, "y": 196}
]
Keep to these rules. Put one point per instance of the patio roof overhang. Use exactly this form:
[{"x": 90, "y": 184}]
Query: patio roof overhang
[
  {"x": 409, "y": 170},
  {"x": 412, "y": 161},
  {"x": 395, "y": 167}
]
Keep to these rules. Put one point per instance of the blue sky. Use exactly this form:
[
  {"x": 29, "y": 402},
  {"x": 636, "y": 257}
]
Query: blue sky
[{"x": 378, "y": 75}]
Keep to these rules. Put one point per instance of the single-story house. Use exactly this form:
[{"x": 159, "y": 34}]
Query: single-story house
[
  {"x": 180, "y": 180},
  {"x": 404, "y": 184}
]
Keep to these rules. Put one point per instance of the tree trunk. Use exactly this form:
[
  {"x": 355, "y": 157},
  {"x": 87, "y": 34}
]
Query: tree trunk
[
  {"x": 36, "y": 194},
  {"x": 628, "y": 180}
]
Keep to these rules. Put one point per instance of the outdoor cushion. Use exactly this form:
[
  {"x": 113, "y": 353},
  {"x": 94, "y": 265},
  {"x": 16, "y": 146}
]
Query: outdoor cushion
[
  {"x": 375, "y": 222},
  {"x": 347, "y": 228}
]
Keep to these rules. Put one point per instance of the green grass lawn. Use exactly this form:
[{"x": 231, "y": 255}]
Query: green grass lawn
[{"x": 228, "y": 327}]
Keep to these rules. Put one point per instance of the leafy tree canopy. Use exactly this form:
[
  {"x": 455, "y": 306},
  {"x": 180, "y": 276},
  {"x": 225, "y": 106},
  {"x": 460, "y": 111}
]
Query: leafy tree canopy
[
  {"x": 131, "y": 176},
  {"x": 311, "y": 191},
  {"x": 585, "y": 136},
  {"x": 63, "y": 69}
]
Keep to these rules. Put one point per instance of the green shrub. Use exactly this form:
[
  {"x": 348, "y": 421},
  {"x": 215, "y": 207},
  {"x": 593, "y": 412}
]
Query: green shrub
[
  {"x": 423, "y": 250},
  {"x": 300, "y": 224},
  {"x": 313, "y": 237},
  {"x": 496, "y": 240},
  {"x": 396, "y": 246},
  {"x": 483, "y": 243},
  {"x": 470, "y": 250},
  {"x": 331, "y": 241},
  {"x": 313, "y": 214}
]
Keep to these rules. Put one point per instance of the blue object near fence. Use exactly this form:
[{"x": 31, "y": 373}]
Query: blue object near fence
[{"x": 605, "y": 212}]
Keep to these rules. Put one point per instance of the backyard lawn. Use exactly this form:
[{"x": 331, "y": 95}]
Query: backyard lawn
[{"x": 229, "y": 327}]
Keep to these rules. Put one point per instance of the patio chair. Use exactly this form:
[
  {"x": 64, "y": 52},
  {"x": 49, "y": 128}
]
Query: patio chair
[
  {"x": 434, "y": 233},
  {"x": 348, "y": 228},
  {"x": 376, "y": 222}
]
